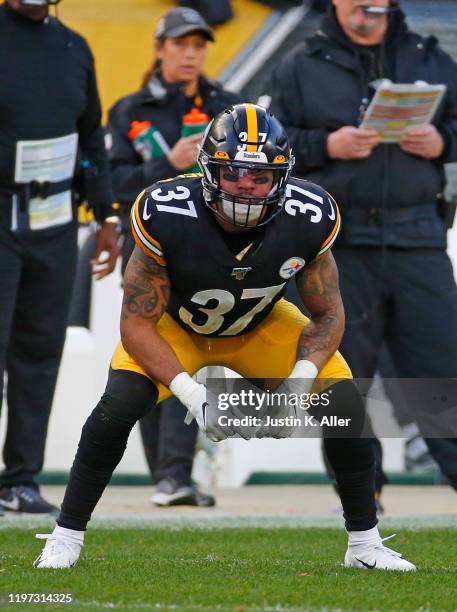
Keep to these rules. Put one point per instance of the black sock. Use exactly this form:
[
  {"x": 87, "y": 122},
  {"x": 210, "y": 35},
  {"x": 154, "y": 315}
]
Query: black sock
[
  {"x": 356, "y": 491},
  {"x": 84, "y": 489},
  {"x": 351, "y": 457}
]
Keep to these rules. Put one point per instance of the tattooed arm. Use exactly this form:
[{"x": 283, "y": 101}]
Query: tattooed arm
[
  {"x": 146, "y": 294},
  {"x": 319, "y": 291}
]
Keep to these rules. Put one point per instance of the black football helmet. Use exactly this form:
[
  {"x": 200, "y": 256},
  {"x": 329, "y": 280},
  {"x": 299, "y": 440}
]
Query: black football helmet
[{"x": 245, "y": 138}]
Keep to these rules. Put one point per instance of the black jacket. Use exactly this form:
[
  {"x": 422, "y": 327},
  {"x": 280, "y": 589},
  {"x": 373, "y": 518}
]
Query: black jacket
[
  {"x": 164, "y": 106},
  {"x": 48, "y": 89},
  {"x": 322, "y": 85}
]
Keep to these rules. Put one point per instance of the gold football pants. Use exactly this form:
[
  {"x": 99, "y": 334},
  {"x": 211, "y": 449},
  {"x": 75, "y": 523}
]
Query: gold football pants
[{"x": 269, "y": 351}]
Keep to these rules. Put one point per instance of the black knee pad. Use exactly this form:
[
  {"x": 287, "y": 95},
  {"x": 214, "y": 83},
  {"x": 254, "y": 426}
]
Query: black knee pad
[
  {"x": 129, "y": 396},
  {"x": 344, "y": 415},
  {"x": 117, "y": 412}
]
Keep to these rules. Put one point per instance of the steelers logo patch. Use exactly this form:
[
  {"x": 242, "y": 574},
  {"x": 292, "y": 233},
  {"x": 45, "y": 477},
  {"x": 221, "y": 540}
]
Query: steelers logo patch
[{"x": 291, "y": 266}]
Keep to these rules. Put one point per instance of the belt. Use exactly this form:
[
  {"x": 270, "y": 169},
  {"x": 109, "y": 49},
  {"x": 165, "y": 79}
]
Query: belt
[
  {"x": 35, "y": 189},
  {"x": 381, "y": 216}
]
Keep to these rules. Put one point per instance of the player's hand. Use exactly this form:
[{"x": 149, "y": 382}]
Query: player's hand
[
  {"x": 352, "y": 143},
  {"x": 424, "y": 141},
  {"x": 193, "y": 395},
  {"x": 300, "y": 380},
  {"x": 288, "y": 396},
  {"x": 197, "y": 400},
  {"x": 106, "y": 242},
  {"x": 185, "y": 152},
  {"x": 204, "y": 409},
  {"x": 278, "y": 421}
]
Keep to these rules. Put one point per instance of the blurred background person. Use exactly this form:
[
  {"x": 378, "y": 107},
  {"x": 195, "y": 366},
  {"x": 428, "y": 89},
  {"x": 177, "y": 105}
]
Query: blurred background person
[
  {"x": 49, "y": 120},
  {"x": 214, "y": 13},
  {"x": 154, "y": 134},
  {"x": 396, "y": 279}
]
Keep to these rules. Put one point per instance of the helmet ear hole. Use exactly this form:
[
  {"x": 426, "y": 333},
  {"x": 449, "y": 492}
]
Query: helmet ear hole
[{"x": 245, "y": 137}]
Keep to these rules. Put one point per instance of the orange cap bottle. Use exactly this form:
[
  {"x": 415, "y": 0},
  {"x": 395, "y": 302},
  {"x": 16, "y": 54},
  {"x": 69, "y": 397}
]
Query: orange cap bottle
[{"x": 194, "y": 122}]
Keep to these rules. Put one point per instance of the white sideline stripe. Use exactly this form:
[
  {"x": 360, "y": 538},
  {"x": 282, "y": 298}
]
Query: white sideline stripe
[
  {"x": 253, "y": 58},
  {"x": 208, "y": 522}
]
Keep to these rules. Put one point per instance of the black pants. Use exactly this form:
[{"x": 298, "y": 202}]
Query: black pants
[
  {"x": 407, "y": 300},
  {"x": 169, "y": 444},
  {"x": 37, "y": 271},
  {"x": 129, "y": 396}
]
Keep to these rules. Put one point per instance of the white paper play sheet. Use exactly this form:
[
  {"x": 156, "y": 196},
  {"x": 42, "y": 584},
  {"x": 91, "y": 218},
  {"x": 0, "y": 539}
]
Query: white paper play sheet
[
  {"x": 398, "y": 107},
  {"x": 50, "y": 160}
]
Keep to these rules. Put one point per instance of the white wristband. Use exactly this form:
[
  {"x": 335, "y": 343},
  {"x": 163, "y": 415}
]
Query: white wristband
[
  {"x": 182, "y": 386},
  {"x": 304, "y": 369}
]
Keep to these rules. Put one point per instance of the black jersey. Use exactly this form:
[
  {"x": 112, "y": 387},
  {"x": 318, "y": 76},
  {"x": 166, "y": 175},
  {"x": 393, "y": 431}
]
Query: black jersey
[{"x": 213, "y": 291}]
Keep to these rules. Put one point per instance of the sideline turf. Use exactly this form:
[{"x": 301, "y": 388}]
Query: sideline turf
[{"x": 233, "y": 569}]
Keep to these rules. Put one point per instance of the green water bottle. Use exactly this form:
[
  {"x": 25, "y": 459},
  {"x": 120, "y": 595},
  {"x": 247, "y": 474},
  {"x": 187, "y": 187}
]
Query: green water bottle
[
  {"x": 147, "y": 141},
  {"x": 194, "y": 122}
]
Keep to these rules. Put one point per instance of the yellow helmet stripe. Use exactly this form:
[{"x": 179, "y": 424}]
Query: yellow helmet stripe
[{"x": 252, "y": 126}]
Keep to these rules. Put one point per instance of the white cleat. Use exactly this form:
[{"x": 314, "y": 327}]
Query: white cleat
[
  {"x": 58, "y": 552},
  {"x": 376, "y": 556}
]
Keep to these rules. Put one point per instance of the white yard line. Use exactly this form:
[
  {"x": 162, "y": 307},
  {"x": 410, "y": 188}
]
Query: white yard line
[{"x": 145, "y": 521}]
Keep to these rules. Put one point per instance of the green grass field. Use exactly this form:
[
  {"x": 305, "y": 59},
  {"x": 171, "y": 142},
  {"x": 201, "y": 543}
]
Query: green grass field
[{"x": 234, "y": 569}]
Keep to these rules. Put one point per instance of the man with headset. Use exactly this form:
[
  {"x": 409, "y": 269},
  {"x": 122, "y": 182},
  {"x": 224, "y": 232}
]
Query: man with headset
[
  {"x": 49, "y": 123},
  {"x": 397, "y": 281}
]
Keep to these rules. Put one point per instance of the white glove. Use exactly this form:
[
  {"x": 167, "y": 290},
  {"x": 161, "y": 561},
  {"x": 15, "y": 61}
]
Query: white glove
[
  {"x": 192, "y": 395},
  {"x": 244, "y": 415},
  {"x": 298, "y": 383},
  {"x": 277, "y": 412},
  {"x": 195, "y": 398},
  {"x": 300, "y": 380}
]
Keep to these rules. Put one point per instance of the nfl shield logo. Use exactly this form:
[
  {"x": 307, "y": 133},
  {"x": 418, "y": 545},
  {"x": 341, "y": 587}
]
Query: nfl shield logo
[{"x": 240, "y": 273}]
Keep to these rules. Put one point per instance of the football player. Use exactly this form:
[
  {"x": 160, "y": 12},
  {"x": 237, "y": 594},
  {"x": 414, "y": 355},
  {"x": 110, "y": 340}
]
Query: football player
[{"x": 204, "y": 286}]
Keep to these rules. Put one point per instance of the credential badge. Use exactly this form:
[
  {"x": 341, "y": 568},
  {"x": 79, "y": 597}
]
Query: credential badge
[{"x": 291, "y": 266}]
